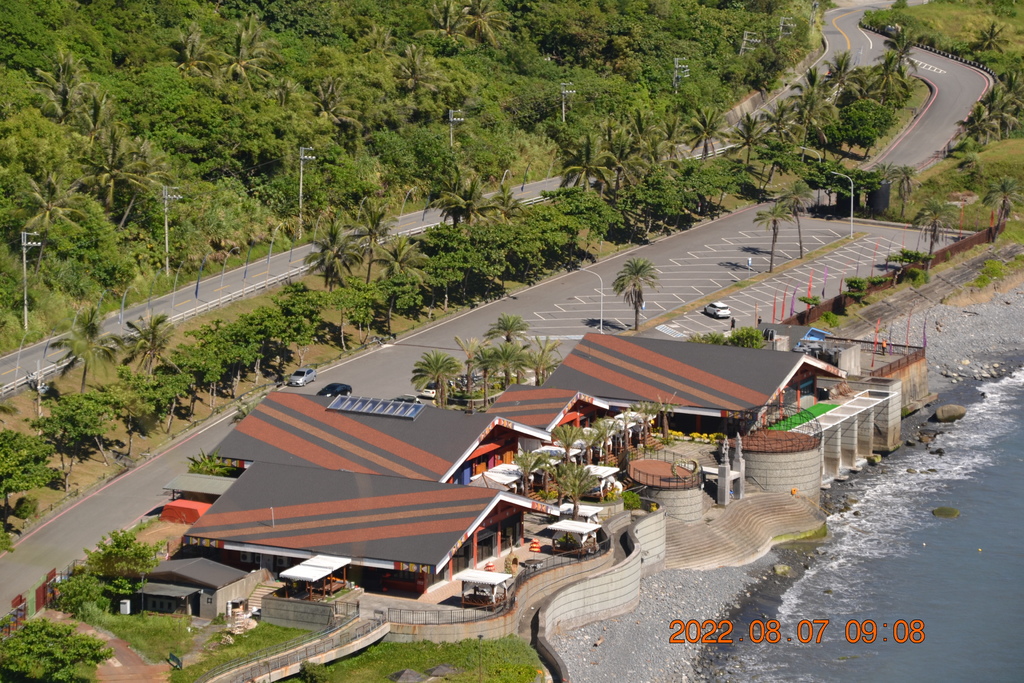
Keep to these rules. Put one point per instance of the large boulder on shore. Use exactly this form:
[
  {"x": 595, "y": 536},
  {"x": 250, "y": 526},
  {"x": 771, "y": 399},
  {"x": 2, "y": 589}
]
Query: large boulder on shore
[{"x": 950, "y": 412}]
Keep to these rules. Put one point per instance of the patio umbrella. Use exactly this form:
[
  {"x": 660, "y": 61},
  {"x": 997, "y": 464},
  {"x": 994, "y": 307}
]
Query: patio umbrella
[{"x": 407, "y": 676}]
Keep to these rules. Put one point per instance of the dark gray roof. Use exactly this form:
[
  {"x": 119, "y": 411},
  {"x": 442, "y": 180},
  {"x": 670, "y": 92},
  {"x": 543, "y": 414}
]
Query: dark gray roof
[
  {"x": 198, "y": 571},
  {"x": 200, "y": 483},
  {"x": 686, "y": 374},
  {"x": 167, "y": 590}
]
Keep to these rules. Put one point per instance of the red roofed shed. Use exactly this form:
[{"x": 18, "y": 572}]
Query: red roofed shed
[{"x": 183, "y": 511}]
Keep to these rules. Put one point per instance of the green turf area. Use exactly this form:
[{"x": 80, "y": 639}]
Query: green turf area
[{"x": 805, "y": 415}]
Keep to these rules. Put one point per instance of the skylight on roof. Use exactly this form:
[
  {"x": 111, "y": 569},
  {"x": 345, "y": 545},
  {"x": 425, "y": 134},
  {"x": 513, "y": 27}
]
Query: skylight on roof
[{"x": 376, "y": 406}]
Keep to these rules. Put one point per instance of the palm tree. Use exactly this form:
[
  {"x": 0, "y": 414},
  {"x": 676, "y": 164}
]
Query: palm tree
[
  {"x": 814, "y": 111},
  {"x": 117, "y": 161},
  {"x": 797, "y": 198},
  {"x": 50, "y": 200},
  {"x": 704, "y": 128},
  {"x": 782, "y": 120},
  {"x": 991, "y": 38},
  {"x": 933, "y": 217},
  {"x": 250, "y": 52},
  {"x": 330, "y": 104},
  {"x": 484, "y": 22},
  {"x": 597, "y": 436},
  {"x": 148, "y": 341},
  {"x": 334, "y": 254},
  {"x": 904, "y": 179},
  {"x": 416, "y": 70},
  {"x": 486, "y": 359},
  {"x": 508, "y": 327},
  {"x": 505, "y": 204},
  {"x": 87, "y": 344},
  {"x": 891, "y": 78},
  {"x": 622, "y": 157},
  {"x": 510, "y": 359},
  {"x": 1003, "y": 194},
  {"x": 840, "y": 68},
  {"x": 95, "y": 114},
  {"x": 529, "y": 462},
  {"x": 630, "y": 282},
  {"x": 771, "y": 220},
  {"x": 545, "y": 358},
  {"x": 901, "y": 44},
  {"x": 565, "y": 437},
  {"x": 400, "y": 257},
  {"x": 437, "y": 367},
  {"x": 372, "y": 226},
  {"x": 471, "y": 347},
  {"x": 377, "y": 39},
  {"x": 210, "y": 464},
  {"x": 449, "y": 20},
  {"x": 62, "y": 88},
  {"x": 585, "y": 164},
  {"x": 749, "y": 132},
  {"x": 574, "y": 482},
  {"x": 193, "y": 55},
  {"x": 463, "y": 201},
  {"x": 980, "y": 124}
]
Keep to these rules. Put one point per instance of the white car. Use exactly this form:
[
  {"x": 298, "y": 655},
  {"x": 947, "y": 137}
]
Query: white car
[
  {"x": 717, "y": 310},
  {"x": 302, "y": 377},
  {"x": 430, "y": 391}
]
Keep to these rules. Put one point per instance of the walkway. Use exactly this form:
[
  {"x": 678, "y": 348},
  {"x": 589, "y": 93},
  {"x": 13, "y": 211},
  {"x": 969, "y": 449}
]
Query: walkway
[{"x": 740, "y": 533}]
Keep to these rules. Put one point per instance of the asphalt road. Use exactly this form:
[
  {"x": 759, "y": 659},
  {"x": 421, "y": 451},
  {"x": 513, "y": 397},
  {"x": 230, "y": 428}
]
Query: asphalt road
[{"x": 691, "y": 264}]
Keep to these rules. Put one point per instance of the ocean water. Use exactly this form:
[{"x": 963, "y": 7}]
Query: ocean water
[{"x": 963, "y": 578}]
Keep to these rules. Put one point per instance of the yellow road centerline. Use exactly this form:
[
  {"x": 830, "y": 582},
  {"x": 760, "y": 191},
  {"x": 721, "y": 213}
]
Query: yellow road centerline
[{"x": 841, "y": 31}]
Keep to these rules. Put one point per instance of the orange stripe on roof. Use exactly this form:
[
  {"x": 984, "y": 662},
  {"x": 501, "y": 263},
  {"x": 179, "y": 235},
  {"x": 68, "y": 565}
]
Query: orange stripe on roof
[
  {"x": 680, "y": 369},
  {"x": 374, "y": 502},
  {"x": 534, "y": 393},
  {"x": 360, "y": 431},
  {"x": 290, "y": 443},
  {"x": 328, "y": 538}
]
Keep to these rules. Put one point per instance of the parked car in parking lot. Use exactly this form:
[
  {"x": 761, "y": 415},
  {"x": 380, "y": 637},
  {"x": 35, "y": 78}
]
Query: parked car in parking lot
[
  {"x": 717, "y": 310},
  {"x": 302, "y": 377},
  {"x": 407, "y": 398},
  {"x": 335, "y": 389},
  {"x": 429, "y": 391}
]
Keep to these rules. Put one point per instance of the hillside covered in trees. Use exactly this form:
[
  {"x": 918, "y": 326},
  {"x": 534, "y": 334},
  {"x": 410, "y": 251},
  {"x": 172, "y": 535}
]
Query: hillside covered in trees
[{"x": 107, "y": 101}]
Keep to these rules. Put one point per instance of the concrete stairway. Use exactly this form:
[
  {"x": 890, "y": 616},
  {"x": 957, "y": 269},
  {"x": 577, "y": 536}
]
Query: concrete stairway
[
  {"x": 741, "y": 533},
  {"x": 265, "y": 588}
]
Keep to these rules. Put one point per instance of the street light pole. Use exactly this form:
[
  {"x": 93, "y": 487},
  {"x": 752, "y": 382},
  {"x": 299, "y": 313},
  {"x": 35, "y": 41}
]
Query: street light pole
[
  {"x": 600, "y": 323},
  {"x": 302, "y": 164},
  {"x": 452, "y": 120},
  {"x": 25, "y": 244},
  {"x": 566, "y": 91},
  {"x": 270, "y": 253},
  {"x": 120, "y": 315},
  {"x": 168, "y": 197},
  {"x": 174, "y": 287},
  {"x": 851, "y": 198},
  {"x": 809, "y": 149},
  {"x": 224, "y": 270}
]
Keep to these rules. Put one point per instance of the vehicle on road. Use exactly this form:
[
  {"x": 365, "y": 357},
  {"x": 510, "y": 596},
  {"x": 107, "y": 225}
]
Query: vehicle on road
[
  {"x": 302, "y": 377},
  {"x": 407, "y": 398},
  {"x": 429, "y": 391},
  {"x": 717, "y": 310},
  {"x": 335, "y": 389}
]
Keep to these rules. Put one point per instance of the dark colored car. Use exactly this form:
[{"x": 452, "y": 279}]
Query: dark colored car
[{"x": 335, "y": 389}]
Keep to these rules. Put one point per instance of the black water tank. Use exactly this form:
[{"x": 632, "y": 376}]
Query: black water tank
[{"x": 878, "y": 200}]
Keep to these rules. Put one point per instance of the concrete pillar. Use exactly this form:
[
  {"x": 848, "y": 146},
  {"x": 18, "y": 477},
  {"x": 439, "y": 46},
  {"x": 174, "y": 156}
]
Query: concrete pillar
[
  {"x": 831, "y": 438},
  {"x": 888, "y": 417},
  {"x": 848, "y": 443},
  {"x": 865, "y": 432},
  {"x": 723, "y": 483},
  {"x": 741, "y": 467}
]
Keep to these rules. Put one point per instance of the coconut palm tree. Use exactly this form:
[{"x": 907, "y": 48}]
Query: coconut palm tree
[
  {"x": 504, "y": 205},
  {"x": 585, "y": 164},
  {"x": 797, "y": 198},
  {"x": 991, "y": 38},
  {"x": 575, "y": 481},
  {"x": 636, "y": 275},
  {"x": 87, "y": 344},
  {"x": 749, "y": 132},
  {"x": 623, "y": 158},
  {"x": 486, "y": 360},
  {"x": 377, "y": 40},
  {"x": 463, "y": 201},
  {"x": 471, "y": 347},
  {"x": 331, "y": 104},
  {"x": 193, "y": 54},
  {"x": 1002, "y": 195},
  {"x": 508, "y": 327},
  {"x": 771, "y": 219},
  {"x": 545, "y": 358},
  {"x": 401, "y": 256},
  {"x": 891, "y": 78},
  {"x": 980, "y": 124},
  {"x": 118, "y": 162},
  {"x": 782, "y": 120},
  {"x": 148, "y": 341},
  {"x": 62, "y": 88},
  {"x": 510, "y": 359},
  {"x": 565, "y": 437},
  {"x": 209, "y": 464},
  {"x": 901, "y": 44},
  {"x": 250, "y": 52},
  {"x": 372, "y": 226},
  {"x": 95, "y": 113},
  {"x": 529, "y": 462},
  {"x": 484, "y": 22},
  {"x": 334, "y": 254},
  {"x": 416, "y": 70},
  {"x": 904, "y": 179},
  {"x": 933, "y": 217},
  {"x": 449, "y": 21},
  {"x": 839, "y": 69},
  {"x": 437, "y": 367},
  {"x": 706, "y": 126}
]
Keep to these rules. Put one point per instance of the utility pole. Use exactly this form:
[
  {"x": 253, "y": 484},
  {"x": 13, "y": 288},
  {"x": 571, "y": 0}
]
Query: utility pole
[
  {"x": 25, "y": 244},
  {"x": 168, "y": 197},
  {"x": 565, "y": 92},
  {"x": 682, "y": 70},
  {"x": 302, "y": 163},
  {"x": 750, "y": 41},
  {"x": 452, "y": 120},
  {"x": 786, "y": 26}
]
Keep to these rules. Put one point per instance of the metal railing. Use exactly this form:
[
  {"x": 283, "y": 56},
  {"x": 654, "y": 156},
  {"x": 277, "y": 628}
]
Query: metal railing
[
  {"x": 463, "y": 616},
  {"x": 677, "y": 483}
]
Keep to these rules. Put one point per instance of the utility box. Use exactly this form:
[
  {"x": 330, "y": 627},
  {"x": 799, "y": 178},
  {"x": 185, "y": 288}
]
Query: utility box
[
  {"x": 126, "y": 607},
  {"x": 878, "y": 200}
]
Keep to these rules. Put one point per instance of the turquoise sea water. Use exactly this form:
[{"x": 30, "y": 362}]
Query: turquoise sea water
[{"x": 964, "y": 577}]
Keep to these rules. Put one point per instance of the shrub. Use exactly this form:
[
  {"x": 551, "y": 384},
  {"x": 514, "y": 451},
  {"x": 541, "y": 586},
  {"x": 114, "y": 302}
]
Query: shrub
[
  {"x": 631, "y": 500},
  {"x": 992, "y": 268},
  {"x": 27, "y": 506},
  {"x": 830, "y": 319},
  {"x": 81, "y": 595},
  {"x": 314, "y": 673},
  {"x": 810, "y": 300},
  {"x": 878, "y": 279},
  {"x": 918, "y": 276}
]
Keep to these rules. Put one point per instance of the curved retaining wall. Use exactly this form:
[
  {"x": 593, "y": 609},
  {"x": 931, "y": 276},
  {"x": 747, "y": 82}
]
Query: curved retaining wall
[
  {"x": 686, "y": 505},
  {"x": 782, "y": 472},
  {"x": 604, "y": 594}
]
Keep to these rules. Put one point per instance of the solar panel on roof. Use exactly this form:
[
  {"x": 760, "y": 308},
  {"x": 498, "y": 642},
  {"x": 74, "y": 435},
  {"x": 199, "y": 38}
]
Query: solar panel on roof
[{"x": 376, "y": 406}]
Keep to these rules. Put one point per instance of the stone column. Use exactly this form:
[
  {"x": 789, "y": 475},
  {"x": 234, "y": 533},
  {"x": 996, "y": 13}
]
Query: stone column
[
  {"x": 865, "y": 432},
  {"x": 848, "y": 443},
  {"x": 741, "y": 467},
  {"x": 832, "y": 455}
]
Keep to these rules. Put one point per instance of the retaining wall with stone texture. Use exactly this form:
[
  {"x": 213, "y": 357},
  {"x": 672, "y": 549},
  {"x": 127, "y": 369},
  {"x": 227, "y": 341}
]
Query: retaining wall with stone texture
[
  {"x": 686, "y": 505},
  {"x": 781, "y": 472}
]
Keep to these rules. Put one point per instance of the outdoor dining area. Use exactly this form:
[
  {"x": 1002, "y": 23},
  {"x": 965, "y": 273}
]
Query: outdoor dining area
[
  {"x": 483, "y": 588},
  {"x": 574, "y": 537},
  {"x": 315, "y": 579}
]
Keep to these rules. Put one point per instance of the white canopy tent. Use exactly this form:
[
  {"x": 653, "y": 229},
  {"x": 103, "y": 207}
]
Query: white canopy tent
[
  {"x": 482, "y": 588},
  {"x": 584, "y": 534},
  {"x": 589, "y": 513},
  {"x": 315, "y": 568}
]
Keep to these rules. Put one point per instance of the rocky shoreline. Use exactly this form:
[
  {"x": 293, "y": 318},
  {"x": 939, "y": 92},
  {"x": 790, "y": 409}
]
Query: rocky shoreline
[{"x": 988, "y": 336}]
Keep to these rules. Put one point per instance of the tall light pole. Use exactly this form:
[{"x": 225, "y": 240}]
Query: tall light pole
[
  {"x": 452, "y": 120},
  {"x": 811, "y": 149},
  {"x": 174, "y": 287},
  {"x": 25, "y": 244},
  {"x": 270, "y": 253},
  {"x": 600, "y": 280},
  {"x": 168, "y": 197},
  {"x": 120, "y": 315},
  {"x": 565, "y": 93},
  {"x": 303, "y": 158},
  {"x": 225, "y": 269},
  {"x": 851, "y": 198}
]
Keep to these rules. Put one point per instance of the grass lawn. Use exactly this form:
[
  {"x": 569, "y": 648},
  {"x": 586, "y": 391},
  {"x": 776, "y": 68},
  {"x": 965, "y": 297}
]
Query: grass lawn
[
  {"x": 805, "y": 415},
  {"x": 154, "y": 637},
  {"x": 263, "y": 636},
  {"x": 508, "y": 660}
]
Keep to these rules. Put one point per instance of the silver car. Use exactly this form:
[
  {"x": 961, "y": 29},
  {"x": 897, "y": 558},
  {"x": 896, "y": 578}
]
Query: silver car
[{"x": 302, "y": 377}]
